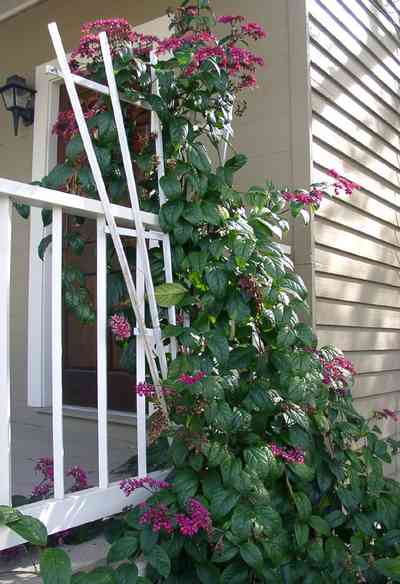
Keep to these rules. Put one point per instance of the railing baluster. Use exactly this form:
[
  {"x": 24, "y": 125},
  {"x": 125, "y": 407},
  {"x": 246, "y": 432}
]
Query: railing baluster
[
  {"x": 5, "y": 389},
  {"x": 56, "y": 356},
  {"x": 101, "y": 253},
  {"x": 140, "y": 370}
]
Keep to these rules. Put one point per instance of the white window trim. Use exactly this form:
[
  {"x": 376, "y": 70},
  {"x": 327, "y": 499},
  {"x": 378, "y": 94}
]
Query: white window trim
[{"x": 39, "y": 295}]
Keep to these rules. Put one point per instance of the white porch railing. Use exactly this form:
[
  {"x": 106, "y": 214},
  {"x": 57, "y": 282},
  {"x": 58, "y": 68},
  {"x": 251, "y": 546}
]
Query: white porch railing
[{"x": 68, "y": 510}]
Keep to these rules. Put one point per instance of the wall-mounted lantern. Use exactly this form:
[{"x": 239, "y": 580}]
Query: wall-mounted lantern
[{"x": 18, "y": 99}]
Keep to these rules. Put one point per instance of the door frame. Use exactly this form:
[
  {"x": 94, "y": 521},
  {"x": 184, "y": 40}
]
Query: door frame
[{"x": 39, "y": 290}]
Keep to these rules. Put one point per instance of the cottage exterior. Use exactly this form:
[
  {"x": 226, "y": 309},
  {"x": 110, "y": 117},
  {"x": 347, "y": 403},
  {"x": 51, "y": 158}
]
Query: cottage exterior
[{"x": 328, "y": 98}]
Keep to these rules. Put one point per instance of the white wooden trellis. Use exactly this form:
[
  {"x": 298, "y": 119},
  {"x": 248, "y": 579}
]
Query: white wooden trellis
[{"x": 68, "y": 510}]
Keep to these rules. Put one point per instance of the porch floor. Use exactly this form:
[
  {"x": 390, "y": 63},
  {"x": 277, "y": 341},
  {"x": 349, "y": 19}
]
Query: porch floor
[{"x": 31, "y": 439}]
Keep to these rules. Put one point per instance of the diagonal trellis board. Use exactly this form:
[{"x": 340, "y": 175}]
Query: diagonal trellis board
[
  {"x": 144, "y": 281},
  {"x": 70, "y": 82}
]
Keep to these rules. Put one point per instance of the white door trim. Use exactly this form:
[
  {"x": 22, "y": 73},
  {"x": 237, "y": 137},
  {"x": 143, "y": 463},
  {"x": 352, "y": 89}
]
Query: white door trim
[{"x": 44, "y": 159}]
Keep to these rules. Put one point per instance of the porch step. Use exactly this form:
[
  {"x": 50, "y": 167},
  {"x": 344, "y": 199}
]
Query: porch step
[{"x": 85, "y": 556}]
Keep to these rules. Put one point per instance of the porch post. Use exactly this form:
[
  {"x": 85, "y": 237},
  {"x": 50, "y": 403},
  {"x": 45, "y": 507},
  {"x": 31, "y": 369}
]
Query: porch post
[{"x": 5, "y": 386}]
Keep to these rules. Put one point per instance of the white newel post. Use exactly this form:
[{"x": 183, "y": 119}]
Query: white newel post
[{"x": 5, "y": 386}]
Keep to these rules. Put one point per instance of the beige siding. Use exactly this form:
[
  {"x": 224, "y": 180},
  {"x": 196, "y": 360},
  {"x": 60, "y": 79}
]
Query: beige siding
[{"x": 355, "y": 74}]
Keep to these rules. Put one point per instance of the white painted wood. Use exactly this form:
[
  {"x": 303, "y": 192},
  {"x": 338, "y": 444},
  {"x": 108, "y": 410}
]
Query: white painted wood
[
  {"x": 56, "y": 355},
  {"x": 156, "y": 128},
  {"x": 134, "y": 199},
  {"x": 71, "y": 204},
  {"x": 78, "y": 508},
  {"x": 5, "y": 386},
  {"x": 101, "y": 322},
  {"x": 152, "y": 235},
  {"x": 141, "y": 439},
  {"x": 95, "y": 168},
  {"x": 93, "y": 85},
  {"x": 44, "y": 157}
]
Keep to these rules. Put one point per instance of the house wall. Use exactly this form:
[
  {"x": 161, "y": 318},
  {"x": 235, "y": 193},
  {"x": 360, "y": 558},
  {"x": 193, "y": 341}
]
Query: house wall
[
  {"x": 355, "y": 72},
  {"x": 265, "y": 133}
]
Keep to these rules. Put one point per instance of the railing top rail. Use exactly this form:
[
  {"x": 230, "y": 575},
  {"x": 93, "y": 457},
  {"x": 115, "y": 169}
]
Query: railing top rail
[{"x": 71, "y": 204}]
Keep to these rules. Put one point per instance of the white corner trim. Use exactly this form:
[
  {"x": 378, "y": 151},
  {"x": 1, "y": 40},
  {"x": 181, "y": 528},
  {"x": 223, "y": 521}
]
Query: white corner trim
[{"x": 14, "y": 11}]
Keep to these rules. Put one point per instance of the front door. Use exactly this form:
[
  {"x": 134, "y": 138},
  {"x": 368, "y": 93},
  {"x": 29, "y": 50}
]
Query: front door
[{"x": 79, "y": 340}]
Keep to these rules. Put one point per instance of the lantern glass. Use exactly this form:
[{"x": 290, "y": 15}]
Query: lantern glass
[{"x": 8, "y": 96}]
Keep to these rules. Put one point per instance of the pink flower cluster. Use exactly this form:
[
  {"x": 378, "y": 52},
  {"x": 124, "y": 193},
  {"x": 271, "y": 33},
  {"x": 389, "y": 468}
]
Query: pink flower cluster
[
  {"x": 342, "y": 184},
  {"x": 197, "y": 518},
  {"x": 66, "y": 127},
  {"x": 157, "y": 517},
  {"x": 120, "y": 327},
  {"x": 337, "y": 372},
  {"x": 386, "y": 413},
  {"x": 128, "y": 486},
  {"x": 253, "y": 30},
  {"x": 148, "y": 390},
  {"x": 80, "y": 478},
  {"x": 191, "y": 379},
  {"x": 175, "y": 43},
  {"x": 45, "y": 467},
  {"x": 287, "y": 454},
  {"x": 312, "y": 197},
  {"x": 230, "y": 19}
]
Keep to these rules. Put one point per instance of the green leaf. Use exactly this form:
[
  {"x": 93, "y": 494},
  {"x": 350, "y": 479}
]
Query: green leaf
[
  {"x": 242, "y": 357},
  {"x": 193, "y": 213},
  {"x": 223, "y": 501},
  {"x": 269, "y": 519},
  {"x": 183, "y": 232},
  {"x": 242, "y": 521},
  {"x": 389, "y": 567},
  {"x": 171, "y": 186},
  {"x": 74, "y": 148},
  {"x": 217, "y": 281},
  {"x": 260, "y": 460},
  {"x": 178, "y": 130},
  {"x": 335, "y": 519},
  {"x": 58, "y": 176},
  {"x": 148, "y": 539},
  {"x": 303, "y": 505},
  {"x": 286, "y": 336},
  {"x": 100, "y": 576},
  {"x": 319, "y": 525},
  {"x": 198, "y": 156},
  {"x": 207, "y": 573},
  {"x": 43, "y": 245},
  {"x": 237, "y": 162},
  {"x": 170, "y": 294},
  {"x": 302, "y": 532},
  {"x": 185, "y": 484},
  {"x": 235, "y": 573},
  {"x": 9, "y": 515},
  {"x": 30, "y": 529},
  {"x": 127, "y": 574},
  {"x": 219, "y": 346},
  {"x": 237, "y": 308},
  {"x": 252, "y": 555},
  {"x": 55, "y": 566},
  {"x": 303, "y": 471},
  {"x": 179, "y": 451},
  {"x": 23, "y": 210},
  {"x": 210, "y": 213},
  {"x": 170, "y": 213},
  {"x": 159, "y": 560},
  {"x": 122, "y": 549},
  {"x": 103, "y": 156},
  {"x": 225, "y": 552},
  {"x": 305, "y": 334}
]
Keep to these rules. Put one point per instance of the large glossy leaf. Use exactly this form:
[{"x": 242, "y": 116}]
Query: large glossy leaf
[
  {"x": 55, "y": 567},
  {"x": 389, "y": 567},
  {"x": 170, "y": 294},
  {"x": 122, "y": 549},
  {"x": 159, "y": 560},
  {"x": 30, "y": 529}
]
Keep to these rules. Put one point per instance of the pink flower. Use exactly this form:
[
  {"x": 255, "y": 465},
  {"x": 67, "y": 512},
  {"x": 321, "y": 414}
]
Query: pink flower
[
  {"x": 45, "y": 466},
  {"x": 230, "y": 19},
  {"x": 120, "y": 327},
  {"x": 128, "y": 486},
  {"x": 253, "y": 30},
  {"x": 198, "y": 518},
  {"x": 80, "y": 478},
  {"x": 191, "y": 379},
  {"x": 337, "y": 373},
  {"x": 288, "y": 454},
  {"x": 386, "y": 413},
  {"x": 148, "y": 390},
  {"x": 312, "y": 197},
  {"x": 157, "y": 517},
  {"x": 342, "y": 184}
]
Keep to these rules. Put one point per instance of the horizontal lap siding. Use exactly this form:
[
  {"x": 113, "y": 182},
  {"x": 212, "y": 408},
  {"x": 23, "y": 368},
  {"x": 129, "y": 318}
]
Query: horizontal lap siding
[{"x": 355, "y": 77}]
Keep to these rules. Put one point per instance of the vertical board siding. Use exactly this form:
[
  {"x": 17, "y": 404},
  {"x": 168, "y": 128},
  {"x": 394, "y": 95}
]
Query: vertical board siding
[{"x": 355, "y": 86}]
